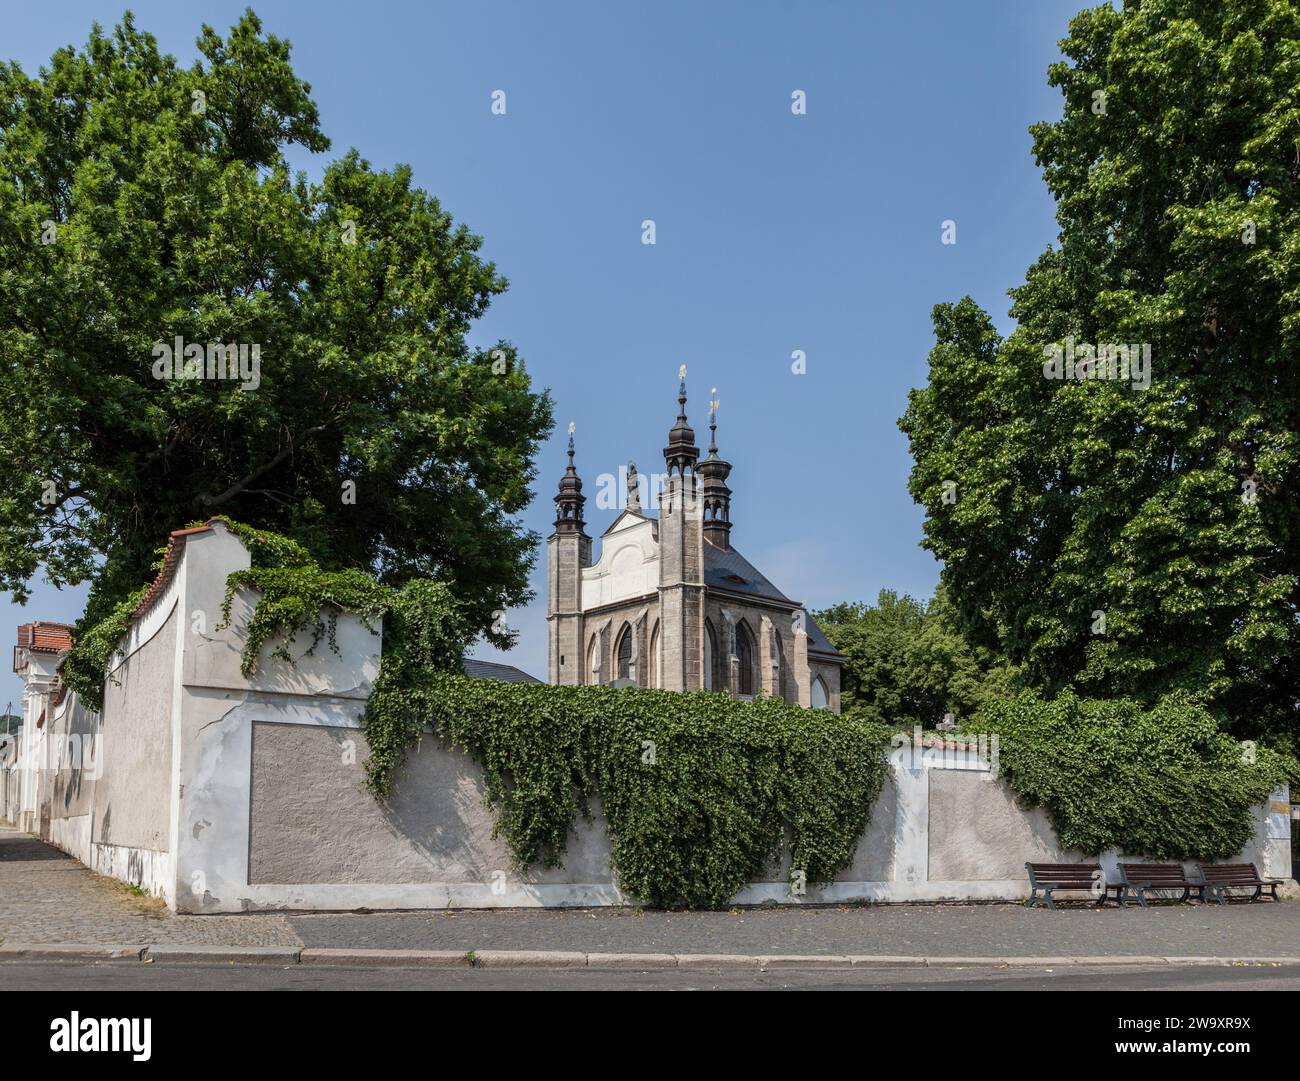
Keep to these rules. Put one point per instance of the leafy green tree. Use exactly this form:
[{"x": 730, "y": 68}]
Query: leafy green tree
[
  {"x": 907, "y": 662},
  {"x": 1120, "y": 538},
  {"x": 141, "y": 202}
]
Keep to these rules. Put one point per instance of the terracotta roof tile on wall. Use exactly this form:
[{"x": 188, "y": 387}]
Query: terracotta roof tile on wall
[
  {"x": 171, "y": 560},
  {"x": 45, "y": 637}
]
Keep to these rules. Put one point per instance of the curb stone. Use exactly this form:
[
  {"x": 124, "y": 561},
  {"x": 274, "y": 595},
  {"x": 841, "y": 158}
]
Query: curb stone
[
  {"x": 715, "y": 960},
  {"x": 805, "y": 960},
  {"x": 529, "y": 958},
  {"x": 868, "y": 960},
  {"x": 420, "y": 958},
  {"x": 68, "y": 951},
  {"x": 289, "y": 955},
  {"x": 1126, "y": 960},
  {"x": 631, "y": 960},
  {"x": 244, "y": 955},
  {"x": 1233, "y": 960},
  {"x": 950, "y": 962}
]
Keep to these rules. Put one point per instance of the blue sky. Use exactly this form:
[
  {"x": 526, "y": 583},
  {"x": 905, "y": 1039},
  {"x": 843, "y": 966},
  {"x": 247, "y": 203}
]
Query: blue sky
[{"x": 774, "y": 232}]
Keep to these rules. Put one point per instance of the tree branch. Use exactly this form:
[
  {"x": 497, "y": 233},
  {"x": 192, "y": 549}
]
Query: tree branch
[{"x": 207, "y": 501}]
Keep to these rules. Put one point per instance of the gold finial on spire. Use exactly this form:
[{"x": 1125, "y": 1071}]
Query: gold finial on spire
[
  {"x": 713, "y": 405},
  {"x": 681, "y": 372},
  {"x": 570, "y": 427}
]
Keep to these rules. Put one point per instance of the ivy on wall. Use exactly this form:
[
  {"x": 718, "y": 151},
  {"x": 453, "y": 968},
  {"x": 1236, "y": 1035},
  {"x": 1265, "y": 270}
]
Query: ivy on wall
[
  {"x": 85, "y": 668},
  {"x": 296, "y": 595},
  {"x": 701, "y": 792},
  {"x": 1164, "y": 782}
]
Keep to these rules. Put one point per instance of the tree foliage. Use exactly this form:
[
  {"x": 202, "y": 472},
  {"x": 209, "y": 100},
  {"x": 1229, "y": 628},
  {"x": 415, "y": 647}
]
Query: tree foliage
[
  {"x": 1171, "y": 511},
  {"x": 1162, "y": 782},
  {"x": 141, "y": 201},
  {"x": 906, "y": 662}
]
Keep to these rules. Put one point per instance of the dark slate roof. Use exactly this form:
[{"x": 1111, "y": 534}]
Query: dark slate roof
[
  {"x": 492, "y": 670},
  {"x": 723, "y": 566},
  {"x": 818, "y": 642}
]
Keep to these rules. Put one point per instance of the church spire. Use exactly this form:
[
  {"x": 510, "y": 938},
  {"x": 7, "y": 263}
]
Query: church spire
[
  {"x": 717, "y": 496},
  {"x": 569, "y": 501},
  {"x": 681, "y": 451}
]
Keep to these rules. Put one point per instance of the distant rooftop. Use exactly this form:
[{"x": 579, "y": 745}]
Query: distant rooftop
[
  {"x": 45, "y": 637},
  {"x": 492, "y": 670}
]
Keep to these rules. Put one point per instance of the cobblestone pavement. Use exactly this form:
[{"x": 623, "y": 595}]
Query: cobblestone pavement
[
  {"x": 1259, "y": 930},
  {"x": 46, "y": 896}
]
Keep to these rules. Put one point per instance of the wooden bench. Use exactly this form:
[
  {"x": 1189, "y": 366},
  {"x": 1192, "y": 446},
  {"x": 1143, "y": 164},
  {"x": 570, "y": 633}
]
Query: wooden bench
[
  {"x": 1049, "y": 877},
  {"x": 1222, "y": 877},
  {"x": 1142, "y": 877}
]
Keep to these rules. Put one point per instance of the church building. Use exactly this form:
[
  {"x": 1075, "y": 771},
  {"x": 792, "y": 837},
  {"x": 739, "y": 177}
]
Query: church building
[{"x": 670, "y": 603}]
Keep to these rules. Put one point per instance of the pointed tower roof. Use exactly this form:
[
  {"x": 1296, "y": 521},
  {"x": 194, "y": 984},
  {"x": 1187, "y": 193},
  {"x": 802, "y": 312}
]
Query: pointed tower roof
[
  {"x": 715, "y": 465},
  {"x": 717, "y": 496},
  {"x": 569, "y": 501},
  {"x": 681, "y": 450}
]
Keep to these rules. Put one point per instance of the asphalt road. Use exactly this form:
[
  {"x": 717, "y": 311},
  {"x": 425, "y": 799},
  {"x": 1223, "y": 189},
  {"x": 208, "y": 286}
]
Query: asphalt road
[{"x": 63, "y": 976}]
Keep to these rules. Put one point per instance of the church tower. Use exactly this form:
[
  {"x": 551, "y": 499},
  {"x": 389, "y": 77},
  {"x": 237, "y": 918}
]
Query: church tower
[
  {"x": 681, "y": 558},
  {"x": 717, "y": 496},
  {"x": 568, "y": 551}
]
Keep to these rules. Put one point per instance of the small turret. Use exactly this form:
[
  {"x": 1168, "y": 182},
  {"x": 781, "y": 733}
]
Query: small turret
[
  {"x": 716, "y": 495},
  {"x": 569, "y": 501}
]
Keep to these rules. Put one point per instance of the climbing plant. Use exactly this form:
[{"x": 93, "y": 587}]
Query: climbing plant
[
  {"x": 86, "y": 666},
  {"x": 1159, "y": 781},
  {"x": 701, "y": 792}
]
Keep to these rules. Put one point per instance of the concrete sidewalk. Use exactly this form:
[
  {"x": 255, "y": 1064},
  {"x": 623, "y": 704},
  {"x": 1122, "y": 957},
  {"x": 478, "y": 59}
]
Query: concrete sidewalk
[{"x": 47, "y": 899}]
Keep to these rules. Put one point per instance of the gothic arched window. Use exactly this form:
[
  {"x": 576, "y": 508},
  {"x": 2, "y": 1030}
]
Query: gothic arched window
[
  {"x": 820, "y": 698},
  {"x": 656, "y": 665},
  {"x": 745, "y": 654},
  {"x": 625, "y": 654}
]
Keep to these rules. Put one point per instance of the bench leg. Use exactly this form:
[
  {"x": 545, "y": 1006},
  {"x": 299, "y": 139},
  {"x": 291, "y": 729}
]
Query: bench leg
[
  {"x": 1047, "y": 896},
  {"x": 1259, "y": 892},
  {"x": 1187, "y": 892},
  {"x": 1142, "y": 896}
]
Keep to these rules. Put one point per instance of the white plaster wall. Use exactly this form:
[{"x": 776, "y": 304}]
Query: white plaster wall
[
  {"x": 628, "y": 565},
  {"x": 133, "y": 794},
  {"x": 215, "y": 710}
]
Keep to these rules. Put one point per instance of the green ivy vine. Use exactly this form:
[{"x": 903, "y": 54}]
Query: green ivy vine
[
  {"x": 1164, "y": 782},
  {"x": 85, "y": 668},
  {"x": 701, "y": 793}
]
